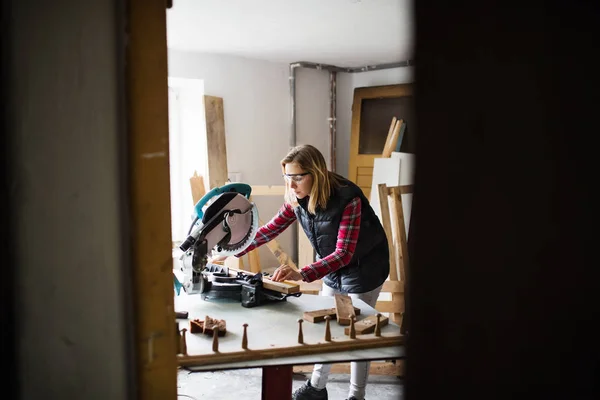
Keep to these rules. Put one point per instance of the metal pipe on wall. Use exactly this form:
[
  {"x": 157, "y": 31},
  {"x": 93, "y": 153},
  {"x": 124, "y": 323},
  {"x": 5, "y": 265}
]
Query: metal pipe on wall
[
  {"x": 292, "y": 79},
  {"x": 332, "y": 118}
]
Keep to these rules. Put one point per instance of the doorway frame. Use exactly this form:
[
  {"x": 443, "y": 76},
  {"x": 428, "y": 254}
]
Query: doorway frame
[
  {"x": 150, "y": 246},
  {"x": 360, "y": 166}
]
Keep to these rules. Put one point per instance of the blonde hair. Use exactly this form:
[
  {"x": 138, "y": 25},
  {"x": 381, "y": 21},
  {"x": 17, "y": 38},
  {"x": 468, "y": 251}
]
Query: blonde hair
[{"x": 310, "y": 159}]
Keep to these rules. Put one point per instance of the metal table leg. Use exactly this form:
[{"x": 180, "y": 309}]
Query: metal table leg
[{"x": 277, "y": 383}]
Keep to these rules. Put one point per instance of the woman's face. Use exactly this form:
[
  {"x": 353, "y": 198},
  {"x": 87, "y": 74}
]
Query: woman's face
[{"x": 299, "y": 180}]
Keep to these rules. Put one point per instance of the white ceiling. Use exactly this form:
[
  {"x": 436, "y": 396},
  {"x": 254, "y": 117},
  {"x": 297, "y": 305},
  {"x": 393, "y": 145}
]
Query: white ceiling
[{"x": 339, "y": 32}]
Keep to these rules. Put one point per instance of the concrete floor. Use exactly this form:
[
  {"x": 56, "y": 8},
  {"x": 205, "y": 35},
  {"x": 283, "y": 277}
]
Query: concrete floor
[{"x": 245, "y": 384}]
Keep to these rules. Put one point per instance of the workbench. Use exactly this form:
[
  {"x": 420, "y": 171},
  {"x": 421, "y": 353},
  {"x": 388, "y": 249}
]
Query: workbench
[{"x": 275, "y": 325}]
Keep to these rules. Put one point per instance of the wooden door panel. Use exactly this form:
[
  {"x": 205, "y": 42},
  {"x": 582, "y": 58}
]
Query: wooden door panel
[
  {"x": 376, "y": 124},
  {"x": 365, "y": 171},
  {"x": 364, "y": 180}
]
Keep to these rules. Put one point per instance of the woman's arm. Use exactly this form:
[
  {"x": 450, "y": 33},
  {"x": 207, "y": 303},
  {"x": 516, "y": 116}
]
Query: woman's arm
[
  {"x": 272, "y": 229},
  {"x": 344, "y": 247}
]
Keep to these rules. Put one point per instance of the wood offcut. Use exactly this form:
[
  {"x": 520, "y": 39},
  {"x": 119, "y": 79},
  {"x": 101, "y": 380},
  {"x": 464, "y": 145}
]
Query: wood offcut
[
  {"x": 319, "y": 315},
  {"x": 343, "y": 309},
  {"x": 206, "y": 326},
  {"x": 368, "y": 325}
]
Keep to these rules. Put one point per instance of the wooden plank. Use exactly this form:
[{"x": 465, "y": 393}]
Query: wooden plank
[
  {"x": 254, "y": 261},
  {"x": 281, "y": 255},
  {"x": 278, "y": 252},
  {"x": 407, "y": 189},
  {"x": 390, "y": 134},
  {"x": 387, "y": 227},
  {"x": 319, "y": 315},
  {"x": 306, "y": 252},
  {"x": 261, "y": 190},
  {"x": 215, "y": 142},
  {"x": 397, "y": 315},
  {"x": 367, "y": 325},
  {"x": 149, "y": 219},
  {"x": 390, "y": 306},
  {"x": 286, "y": 287},
  {"x": 390, "y": 146},
  {"x": 344, "y": 309},
  {"x": 400, "y": 240},
  {"x": 197, "y": 186},
  {"x": 311, "y": 287},
  {"x": 338, "y": 345},
  {"x": 387, "y": 368},
  {"x": 393, "y": 287},
  {"x": 388, "y": 286},
  {"x": 254, "y": 258}
]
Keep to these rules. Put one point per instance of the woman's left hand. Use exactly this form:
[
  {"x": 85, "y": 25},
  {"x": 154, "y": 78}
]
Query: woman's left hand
[{"x": 286, "y": 273}]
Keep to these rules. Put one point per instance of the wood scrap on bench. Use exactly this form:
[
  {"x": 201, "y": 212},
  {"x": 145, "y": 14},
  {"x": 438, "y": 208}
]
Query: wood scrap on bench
[
  {"x": 344, "y": 309},
  {"x": 207, "y": 325},
  {"x": 319, "y": 315},
  {"x": 367, "y": 325},
  {"x": 285, "y": 287}
]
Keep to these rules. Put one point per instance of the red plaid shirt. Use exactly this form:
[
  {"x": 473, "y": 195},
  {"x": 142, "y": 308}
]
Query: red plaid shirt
[{"x": 344, "y": 247}]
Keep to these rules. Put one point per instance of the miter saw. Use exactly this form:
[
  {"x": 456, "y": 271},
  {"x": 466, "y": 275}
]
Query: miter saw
[{"x": 225, "y": 222}]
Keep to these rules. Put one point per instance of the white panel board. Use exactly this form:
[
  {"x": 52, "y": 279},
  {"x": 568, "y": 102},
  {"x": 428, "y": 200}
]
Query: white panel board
[{"x": 394, "y": 171}]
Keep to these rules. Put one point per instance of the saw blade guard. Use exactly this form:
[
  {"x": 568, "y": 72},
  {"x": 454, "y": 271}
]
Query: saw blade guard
[
  {"x": 241, "y": 236},
  {"x": 242, "y": 188}
]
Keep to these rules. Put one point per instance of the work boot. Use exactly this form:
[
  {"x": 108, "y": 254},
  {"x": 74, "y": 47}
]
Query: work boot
[{"x": 308, "y": 392}]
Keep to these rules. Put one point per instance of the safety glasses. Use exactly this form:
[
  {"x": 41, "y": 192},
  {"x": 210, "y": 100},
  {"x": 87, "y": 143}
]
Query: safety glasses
[{"x": 295, "y": 177}]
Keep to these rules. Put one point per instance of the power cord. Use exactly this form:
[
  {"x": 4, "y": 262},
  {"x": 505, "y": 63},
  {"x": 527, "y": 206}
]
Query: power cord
[{"x": 185, "y": 395}]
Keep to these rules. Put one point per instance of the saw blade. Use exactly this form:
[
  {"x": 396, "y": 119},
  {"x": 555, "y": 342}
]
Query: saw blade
[{"x": 230, "y": 249}]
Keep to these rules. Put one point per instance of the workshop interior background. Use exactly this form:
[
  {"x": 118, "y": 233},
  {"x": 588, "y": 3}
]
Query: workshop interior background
[
  {"x": 503, "y": 228},
  {"x": 241, "y": 52},
  {"x": 286, "y": 73}
]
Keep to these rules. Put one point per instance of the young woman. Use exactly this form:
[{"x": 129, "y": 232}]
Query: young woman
[{"x": 350, "y": 243}]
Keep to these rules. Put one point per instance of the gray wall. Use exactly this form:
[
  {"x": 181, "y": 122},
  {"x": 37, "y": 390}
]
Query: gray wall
[{"x": 66, "y": 196}]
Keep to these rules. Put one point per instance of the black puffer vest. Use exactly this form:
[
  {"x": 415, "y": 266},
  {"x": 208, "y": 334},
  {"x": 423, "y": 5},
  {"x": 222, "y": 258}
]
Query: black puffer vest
[{"x": 370, "y": 265}]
